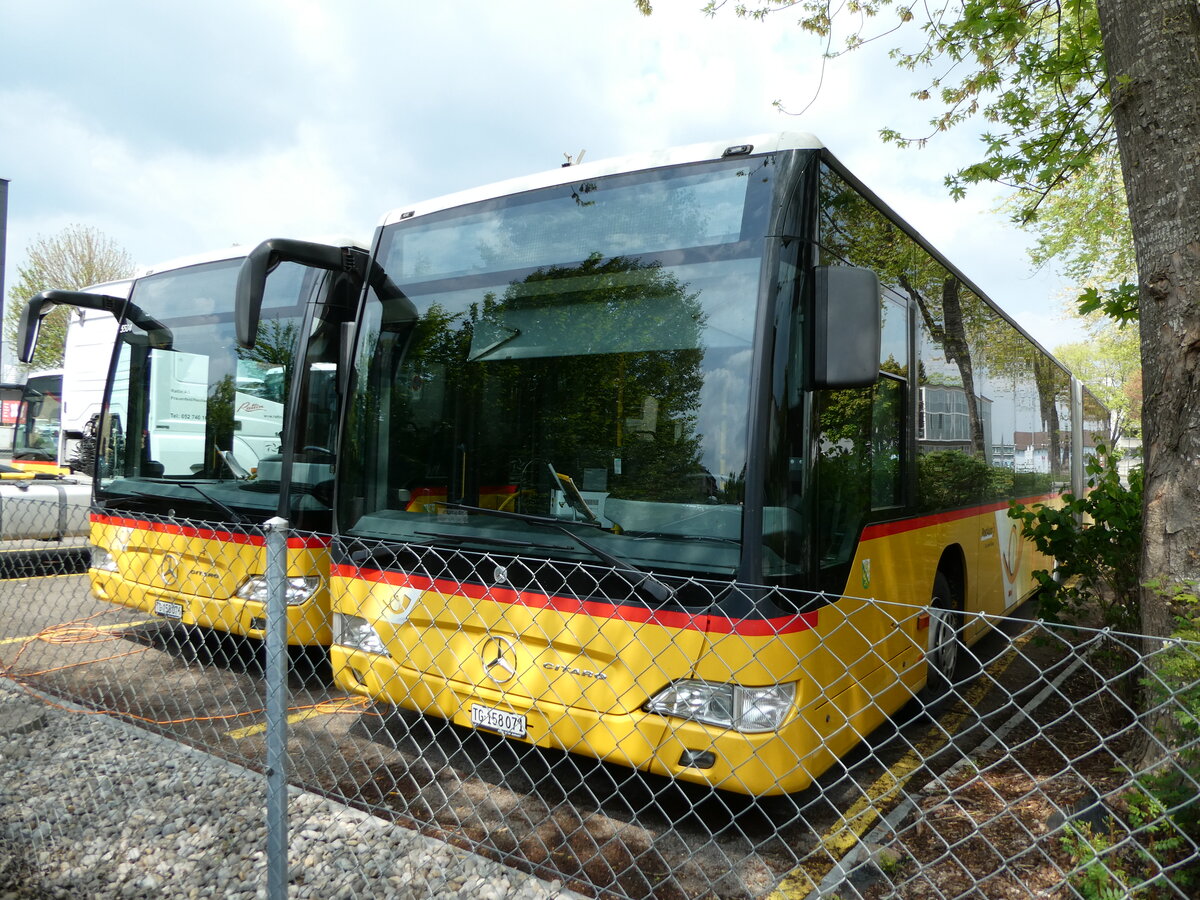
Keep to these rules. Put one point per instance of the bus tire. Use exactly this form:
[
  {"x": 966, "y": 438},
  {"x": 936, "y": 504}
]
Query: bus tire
[{"x": 945, "y": 642}]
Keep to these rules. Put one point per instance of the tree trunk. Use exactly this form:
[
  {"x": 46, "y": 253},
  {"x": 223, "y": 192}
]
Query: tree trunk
[
  {"x": 957, "y": 348},
  {"x": 1152, "y": 48}
]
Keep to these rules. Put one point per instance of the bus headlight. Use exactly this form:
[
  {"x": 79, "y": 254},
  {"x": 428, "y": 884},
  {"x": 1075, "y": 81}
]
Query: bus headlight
[
  {"x": 748, "y": 709},
  {"x": 103, "y": 560},
  {"x": 357, "y": 633},
  {"x": 297, "y": 590}
]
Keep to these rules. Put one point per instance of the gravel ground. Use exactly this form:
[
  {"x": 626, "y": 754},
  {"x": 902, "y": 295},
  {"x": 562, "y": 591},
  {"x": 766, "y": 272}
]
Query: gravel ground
[{"x": 94, "y": 807}]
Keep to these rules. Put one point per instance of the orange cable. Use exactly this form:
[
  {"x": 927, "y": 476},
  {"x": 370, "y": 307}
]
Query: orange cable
[{"x": 84, "y": 662}]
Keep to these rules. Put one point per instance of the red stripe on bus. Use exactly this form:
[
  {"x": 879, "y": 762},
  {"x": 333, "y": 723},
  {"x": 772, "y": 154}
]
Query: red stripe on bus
[
  {"x": 704, "y": 622},
  {"x": 311, "y": 542},
  {"x": 883, "y": 529}
]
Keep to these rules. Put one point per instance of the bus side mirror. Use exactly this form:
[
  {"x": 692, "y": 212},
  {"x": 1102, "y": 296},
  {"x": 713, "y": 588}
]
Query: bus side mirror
[
  {"x": 847, "y": 330},
  {"x": 262, "y": 260},
  {"x": 38, "y": 306},
  {"x": 29, "y": 326}
]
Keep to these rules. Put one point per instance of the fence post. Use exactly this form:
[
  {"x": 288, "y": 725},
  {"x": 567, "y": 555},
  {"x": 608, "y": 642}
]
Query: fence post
[{"x": 276, "y": 677}]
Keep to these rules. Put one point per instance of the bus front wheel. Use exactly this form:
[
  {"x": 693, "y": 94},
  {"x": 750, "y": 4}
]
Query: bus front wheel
[{"x": 945, "y": 641}]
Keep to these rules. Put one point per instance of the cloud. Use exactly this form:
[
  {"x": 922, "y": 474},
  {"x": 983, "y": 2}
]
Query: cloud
[
  {"x": 174, "y": 132},
  {"x": 170, "y": 201}
]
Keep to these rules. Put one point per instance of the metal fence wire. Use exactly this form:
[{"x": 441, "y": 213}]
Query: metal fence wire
[{"x": 1060, "y": 762}]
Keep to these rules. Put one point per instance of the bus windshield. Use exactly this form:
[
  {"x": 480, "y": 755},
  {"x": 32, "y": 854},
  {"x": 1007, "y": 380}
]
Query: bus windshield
[
  {"x": 193, "y": 423},
  {"x": 568, "y": 362}
]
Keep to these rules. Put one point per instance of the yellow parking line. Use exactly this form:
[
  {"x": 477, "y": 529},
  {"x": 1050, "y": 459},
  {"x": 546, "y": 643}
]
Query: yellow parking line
[
  {"x": 328, "y": 708},
  {"x": 841, "y": 838},
  {"x": 116, "y": 627}
]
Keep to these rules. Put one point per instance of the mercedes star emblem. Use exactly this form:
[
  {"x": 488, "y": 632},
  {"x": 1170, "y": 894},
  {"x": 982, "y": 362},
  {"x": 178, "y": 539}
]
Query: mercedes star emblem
[
  {"x": 499, "y": 656},
  {"x": 168, "y": 570}
]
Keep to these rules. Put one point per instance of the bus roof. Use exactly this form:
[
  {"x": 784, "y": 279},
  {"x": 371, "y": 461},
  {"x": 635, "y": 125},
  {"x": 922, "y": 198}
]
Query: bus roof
[
  {"x": 762, "y": 143},
  {"x": 118, "y": 287},
  {"x": 237, "y": 251}
]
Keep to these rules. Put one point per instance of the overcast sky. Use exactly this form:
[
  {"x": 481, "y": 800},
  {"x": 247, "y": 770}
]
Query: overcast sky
[{"x": 177, "y": 128}]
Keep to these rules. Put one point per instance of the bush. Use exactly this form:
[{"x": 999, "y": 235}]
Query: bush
[
  {"x": 1149, "y": 848},
  {"x": 1096, "y": 542},
  {"x": 1171, "y": 789}
]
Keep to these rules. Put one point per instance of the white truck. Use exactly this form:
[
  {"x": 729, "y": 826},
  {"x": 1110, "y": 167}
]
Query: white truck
[{"x": 178, "y": 412}]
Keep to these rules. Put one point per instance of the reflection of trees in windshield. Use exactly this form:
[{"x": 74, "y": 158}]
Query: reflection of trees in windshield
[
  {"x": 275, "y": 343},
  {"x": 219, "y": 415},
  {"x": 264, "y": 369},
  {"x": 856, "y": 231},
  {"x": 984, "y": 387},
  {"x": 645, "y": 216},
  {"x": 949, "y": 330},
  {"x": 594, "y": 369},
  {"x": 1052, "y": 388}
]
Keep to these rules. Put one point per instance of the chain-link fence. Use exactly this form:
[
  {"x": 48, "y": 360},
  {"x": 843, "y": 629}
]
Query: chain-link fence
[
  {"x": 452, "y": 745},
  {"x": 43, "y": 525}
]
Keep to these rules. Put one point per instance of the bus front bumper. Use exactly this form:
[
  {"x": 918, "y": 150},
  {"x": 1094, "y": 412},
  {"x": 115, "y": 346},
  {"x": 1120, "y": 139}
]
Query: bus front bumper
[
  {"x": 307, "y": 622},
  {"x": 777, "y": 762}
]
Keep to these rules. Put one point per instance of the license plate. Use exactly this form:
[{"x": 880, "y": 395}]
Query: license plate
[
  {"x": 500, "y": 720},
  {"x": 170, "y": 610}
]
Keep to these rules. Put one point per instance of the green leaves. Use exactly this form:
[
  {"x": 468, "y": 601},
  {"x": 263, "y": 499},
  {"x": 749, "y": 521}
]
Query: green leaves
[
  {"x": 1118, "y": 303},
  {"x": 1035, "y": 70},
  {"x": 76, "y": 257},
  {"x": 1095, "y": 541}
]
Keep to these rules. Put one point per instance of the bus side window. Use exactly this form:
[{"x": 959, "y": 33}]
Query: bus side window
[
  {"x": 843, "y": 471},
  {"x": 859, "y": 466},
  {"x": 887, "y": 431}
]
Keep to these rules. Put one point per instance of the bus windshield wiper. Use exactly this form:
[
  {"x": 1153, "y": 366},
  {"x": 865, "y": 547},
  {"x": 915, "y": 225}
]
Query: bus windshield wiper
[
  {"x": 233, "y": 515},
  {"x": 136, "y": 499},
  {"x": 672, "y": 536},
  {"x": 228, "y": 510},
  {"x": 645, "y": 582},
  {"x": 470, "y": 539},
  {"x": 372, "y": 554}
]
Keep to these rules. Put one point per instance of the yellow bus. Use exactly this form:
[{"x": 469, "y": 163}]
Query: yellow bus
[
  {"x": 58, "y": 406},
  {"x": 37, "y": 435},
  {"x": 693, "y": 462},
  {"x": 196, "y": 432}
]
